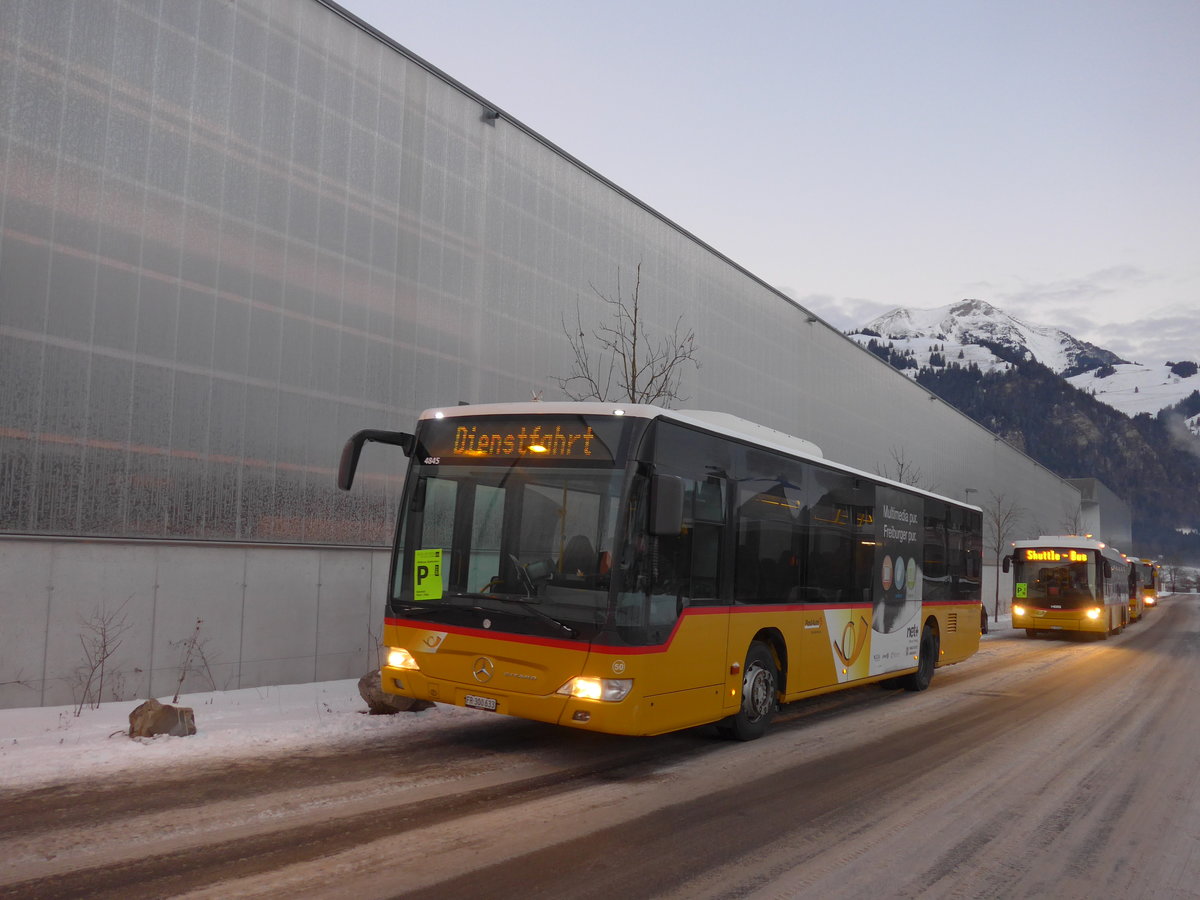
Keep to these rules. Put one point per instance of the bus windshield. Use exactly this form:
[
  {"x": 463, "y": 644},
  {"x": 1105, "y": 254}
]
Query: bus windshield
[
  {"x": 1056, "y": 578},
  {"x": 1146, "y": 576},
  {"x": 532, "y": 545}
]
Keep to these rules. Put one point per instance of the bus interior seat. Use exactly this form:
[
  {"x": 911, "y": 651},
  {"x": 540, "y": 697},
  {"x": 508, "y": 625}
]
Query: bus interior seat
[{"x": 579, "y": 557}]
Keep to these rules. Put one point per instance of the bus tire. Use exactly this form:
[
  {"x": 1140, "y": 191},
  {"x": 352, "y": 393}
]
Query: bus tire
[
  {"x": 1031, "y": 632},
  {"x": 926, "y": 662},
  {"x": 760, "y": 685}
]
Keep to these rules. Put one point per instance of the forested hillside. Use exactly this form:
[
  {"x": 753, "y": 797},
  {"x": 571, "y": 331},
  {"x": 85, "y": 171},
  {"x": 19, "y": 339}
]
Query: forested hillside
[{"x": 1151, "y": 462}]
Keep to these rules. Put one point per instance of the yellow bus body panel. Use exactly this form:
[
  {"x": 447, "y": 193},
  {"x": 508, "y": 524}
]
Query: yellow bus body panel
[
  {"x": 959, "y": 629},
  {"x": 1137, "y": 606},
  {"x": 673, "y": 687},
  {"x": 693, "y": 679},
  {"x": 1068, "y": 619}
]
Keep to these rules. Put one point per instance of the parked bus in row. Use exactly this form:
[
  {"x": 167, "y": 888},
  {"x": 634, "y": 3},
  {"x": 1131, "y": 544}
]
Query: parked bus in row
[
  {"x": 1137, "y": 600},
  {"x": 1067, "y": 583},
  {"x": 1149, "y": 576},
  {"x": 635, "y": 570}
]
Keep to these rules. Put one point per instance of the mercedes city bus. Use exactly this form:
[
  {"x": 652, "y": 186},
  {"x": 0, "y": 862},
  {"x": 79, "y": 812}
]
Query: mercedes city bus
[{"x": 636, "y": 570}]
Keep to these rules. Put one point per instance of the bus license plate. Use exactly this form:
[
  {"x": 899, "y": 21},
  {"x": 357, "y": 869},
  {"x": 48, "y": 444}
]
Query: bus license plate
[{"x": 474, "y": 702}]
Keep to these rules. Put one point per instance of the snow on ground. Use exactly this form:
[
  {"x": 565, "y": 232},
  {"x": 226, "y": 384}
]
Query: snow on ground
[{"x": 45, "y": 744}]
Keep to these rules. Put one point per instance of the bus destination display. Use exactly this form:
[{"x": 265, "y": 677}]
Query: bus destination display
[
  {"x": 1070, "y": 556},
  {"x": 541, "y": 438}
]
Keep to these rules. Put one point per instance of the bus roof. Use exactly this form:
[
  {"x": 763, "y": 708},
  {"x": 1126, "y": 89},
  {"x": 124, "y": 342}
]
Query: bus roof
[{"x": 721, "y": 423}]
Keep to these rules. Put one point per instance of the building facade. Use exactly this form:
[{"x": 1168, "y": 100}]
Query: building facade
[
  {"x": 1103, "y": 513},
  {"x": 233, "y": 234}
]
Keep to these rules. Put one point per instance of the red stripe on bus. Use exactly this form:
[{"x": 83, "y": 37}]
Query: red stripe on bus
[{"x": 640, "y": 649}]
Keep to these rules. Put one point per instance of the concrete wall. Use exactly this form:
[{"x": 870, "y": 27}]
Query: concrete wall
[{"x": 267, "y": 615}]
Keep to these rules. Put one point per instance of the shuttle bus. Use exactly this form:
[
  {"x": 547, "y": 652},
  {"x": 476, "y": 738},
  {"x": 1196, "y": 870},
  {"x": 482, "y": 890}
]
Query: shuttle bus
[
  {"x": 1149, "y": 576},
  {"x": 1067, "y": 583},
  {"x": 635, "y": 570},
  {"x": 1136, "y": 601}
]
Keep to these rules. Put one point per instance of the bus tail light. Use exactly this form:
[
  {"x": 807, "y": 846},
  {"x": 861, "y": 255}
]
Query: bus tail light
[
  {"x": 399, "y": 658},
  {"x": 609, "y": 689}
]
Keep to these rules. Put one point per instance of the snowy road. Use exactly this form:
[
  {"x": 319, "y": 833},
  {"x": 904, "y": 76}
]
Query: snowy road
[{"x": 1039, "y": 768}]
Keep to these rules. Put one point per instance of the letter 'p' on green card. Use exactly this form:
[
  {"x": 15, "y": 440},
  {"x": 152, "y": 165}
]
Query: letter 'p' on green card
[{"x": 427, "y": 574}]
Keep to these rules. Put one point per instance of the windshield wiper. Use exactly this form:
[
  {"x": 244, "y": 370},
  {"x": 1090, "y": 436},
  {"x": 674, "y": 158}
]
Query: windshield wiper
[{"x": 525, "y": 604}]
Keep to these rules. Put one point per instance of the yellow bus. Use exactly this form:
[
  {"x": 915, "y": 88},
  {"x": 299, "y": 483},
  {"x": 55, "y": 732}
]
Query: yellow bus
[
  {"x": 1149, "y": 577},
  {"x": 635, "y": 570},
  {"x": 1068, "y": 583},
  {"x": 1136, "y": 601}
]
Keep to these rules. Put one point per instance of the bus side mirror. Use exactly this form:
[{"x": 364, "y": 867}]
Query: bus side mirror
[
  {"x": 666, "y": 505},
  {"x": 353, "y": 449},
  {"x": 1107, "y": 569},
  {"x": 1006, "y": 563}
]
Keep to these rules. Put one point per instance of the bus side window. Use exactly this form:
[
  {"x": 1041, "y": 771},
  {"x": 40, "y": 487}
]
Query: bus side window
[
  {"x": 689, "y": 564},
  {"x": 839, "y": 534},
  {"x": 766, "y": 567}
]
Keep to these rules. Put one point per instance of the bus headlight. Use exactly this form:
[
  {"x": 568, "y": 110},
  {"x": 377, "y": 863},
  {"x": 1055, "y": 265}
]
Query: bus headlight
[
  {"x": 1094, "y": 612},
  {"x": 1018, "y": 610},
  {"x": 609, "y": 689},
  {"x": 399, "y": 658}
]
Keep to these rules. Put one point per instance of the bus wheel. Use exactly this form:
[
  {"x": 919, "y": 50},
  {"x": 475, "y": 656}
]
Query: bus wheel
[
  {"x": 760, "y": 682},
  {"x": 1031, "y": 632},
  {"x": 926, "y": 662}
]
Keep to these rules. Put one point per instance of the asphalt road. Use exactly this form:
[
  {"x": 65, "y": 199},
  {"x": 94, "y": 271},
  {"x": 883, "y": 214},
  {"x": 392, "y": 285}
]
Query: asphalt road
[{"x": 1038, "y": 768}]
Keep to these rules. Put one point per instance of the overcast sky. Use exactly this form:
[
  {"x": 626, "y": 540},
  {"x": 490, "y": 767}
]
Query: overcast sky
[{"x": 1043, "y": 155}]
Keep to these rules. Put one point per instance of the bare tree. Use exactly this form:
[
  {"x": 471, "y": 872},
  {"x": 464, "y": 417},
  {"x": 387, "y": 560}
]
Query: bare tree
[
  {"x": 1165, "y": 574},
  {"x": 1001, "y": 515},
  {"x": 18, "y": 680},
  {"x": 618, "y": 361},
  {"x": 100, "y": 639},
  {"x": 903, "y": 470},
  {"x": 1072, "y": 521},
  {"x": 195, "y": 659}
]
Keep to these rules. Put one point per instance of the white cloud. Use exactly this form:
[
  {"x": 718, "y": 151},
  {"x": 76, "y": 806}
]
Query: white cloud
[{"x": 843, "y": 313}]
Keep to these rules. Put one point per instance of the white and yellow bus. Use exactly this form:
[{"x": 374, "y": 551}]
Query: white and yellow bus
[
  {"x": 1068, "y": 583},
  {"x": 1149, "y": 576},
  {"x": 1135, "y": 601},
  {"x": 635, "y": 570}
]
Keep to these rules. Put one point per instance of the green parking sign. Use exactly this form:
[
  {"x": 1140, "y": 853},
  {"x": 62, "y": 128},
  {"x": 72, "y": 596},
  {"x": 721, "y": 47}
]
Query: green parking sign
[
  {"x": 427, "y": 574},
  {"x": 1022, "y": 590}
]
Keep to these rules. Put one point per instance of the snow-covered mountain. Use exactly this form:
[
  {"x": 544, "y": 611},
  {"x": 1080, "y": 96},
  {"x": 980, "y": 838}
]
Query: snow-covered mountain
[
  {"x": 960, "y": 334},
  {"x": 974, "y": 322},
  {"x": 1134, "y": 388}
]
